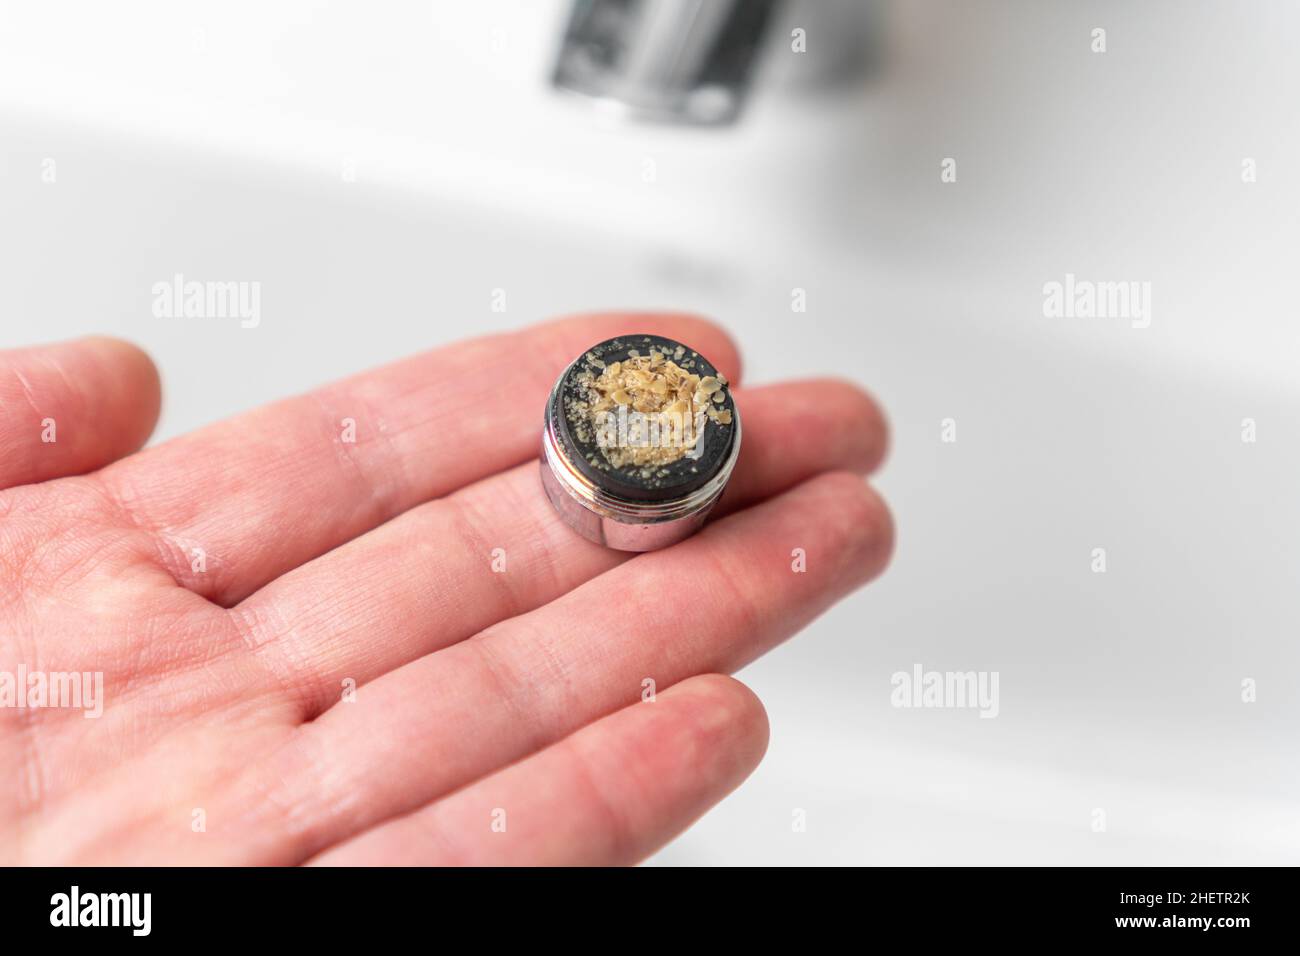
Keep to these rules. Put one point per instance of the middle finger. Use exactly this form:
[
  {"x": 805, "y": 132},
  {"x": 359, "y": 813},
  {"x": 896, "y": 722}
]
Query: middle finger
[{"x": 451, "y": 568}]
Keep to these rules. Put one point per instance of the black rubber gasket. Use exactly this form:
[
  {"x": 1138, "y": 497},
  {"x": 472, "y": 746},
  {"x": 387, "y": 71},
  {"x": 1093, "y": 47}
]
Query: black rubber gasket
[{"x": 667, "y": 481}]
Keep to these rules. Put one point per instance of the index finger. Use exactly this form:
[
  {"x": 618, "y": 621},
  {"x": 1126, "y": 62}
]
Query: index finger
[
  {"x": 72, "y": 407},
  {"x": 264, "y": 492}
]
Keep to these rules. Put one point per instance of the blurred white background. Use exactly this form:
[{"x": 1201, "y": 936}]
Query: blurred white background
[{"x": 380, "y": 169}]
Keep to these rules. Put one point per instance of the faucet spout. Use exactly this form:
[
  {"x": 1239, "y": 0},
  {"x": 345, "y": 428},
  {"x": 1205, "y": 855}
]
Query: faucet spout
[{"x": 686, "y": 61}]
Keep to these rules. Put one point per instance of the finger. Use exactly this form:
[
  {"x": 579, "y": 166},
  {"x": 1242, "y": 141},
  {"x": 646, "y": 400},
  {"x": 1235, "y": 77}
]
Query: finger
[
  {"x": 709, "y": 604},
  {"x": 453, "y": 567},
  {"x": 803, "y": 428},
  {"x": 609, "y": 795},
  {"x": 70, "y": 408},
  {"x": 266, "y": 491}
]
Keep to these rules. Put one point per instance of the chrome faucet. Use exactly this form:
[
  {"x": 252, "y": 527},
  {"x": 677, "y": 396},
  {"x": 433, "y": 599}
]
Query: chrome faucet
[
  {"x": 685, "y": 61},
  {"x": 695, "y": 61}
]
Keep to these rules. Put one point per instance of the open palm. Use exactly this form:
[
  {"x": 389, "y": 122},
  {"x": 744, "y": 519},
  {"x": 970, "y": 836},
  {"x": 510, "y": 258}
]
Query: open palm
[{"x": 348, "y": 628}]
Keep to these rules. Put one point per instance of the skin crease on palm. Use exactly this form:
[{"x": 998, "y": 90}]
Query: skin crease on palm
[{"x": 498, "y": 715}]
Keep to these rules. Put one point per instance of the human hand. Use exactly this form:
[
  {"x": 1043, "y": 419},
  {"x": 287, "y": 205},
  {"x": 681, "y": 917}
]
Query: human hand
[{"x": 234, "y": 585}]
